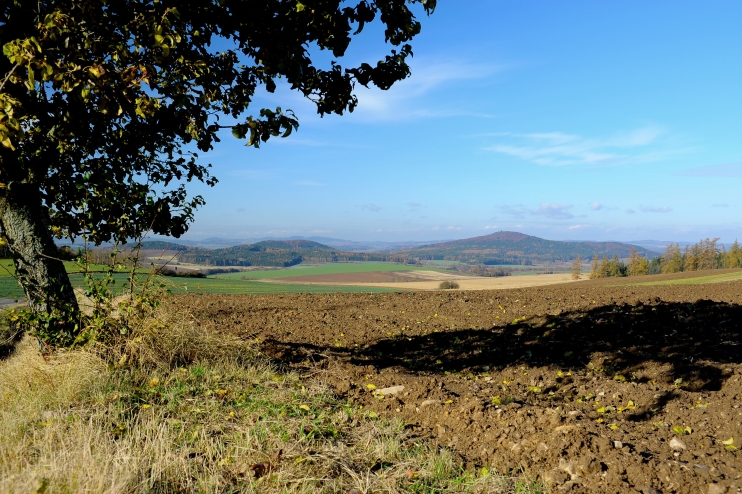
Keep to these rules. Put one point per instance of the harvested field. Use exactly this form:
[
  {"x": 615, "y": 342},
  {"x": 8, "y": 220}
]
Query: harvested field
[
  {"x": 595, "y": 388},
  {"x": 430, "y": 280}
]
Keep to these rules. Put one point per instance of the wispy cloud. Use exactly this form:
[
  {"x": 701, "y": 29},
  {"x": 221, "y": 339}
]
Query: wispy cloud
[
  {"x": 724, "y": 205},
  {"x": 252, "y": 174},
  {"x": 630, "y": 211},
  {"x": 652, "y": 209},
  {"x": 414, "y": 206},
  {"x": 371, "y": 207},
  {"x": 554, "y": 211},
  {"x": 727, "y": 170},
  {"x": 310, "y": 183},
  {"x": 402, "y": 101},
  {"x": 517, "y": 211},
  {"x": 558, "y": 148},
  {"x": 491, "y": 227},
  {"x": 596, "y": 206}
]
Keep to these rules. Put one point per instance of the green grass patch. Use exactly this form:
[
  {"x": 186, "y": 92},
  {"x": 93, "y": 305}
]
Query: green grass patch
[
  {"x": 700, "y": 280},
  {"x": 237, "y": 286},
  {"x": 329, "y": 268}
]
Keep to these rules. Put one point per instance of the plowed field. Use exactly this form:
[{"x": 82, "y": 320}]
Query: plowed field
[{"x": 595, "y": 388}]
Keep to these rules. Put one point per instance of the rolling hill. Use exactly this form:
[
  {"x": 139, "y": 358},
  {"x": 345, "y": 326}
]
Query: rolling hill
[
  {"x": 497, "y": 248},
  {"x": 518, "y": 248}
]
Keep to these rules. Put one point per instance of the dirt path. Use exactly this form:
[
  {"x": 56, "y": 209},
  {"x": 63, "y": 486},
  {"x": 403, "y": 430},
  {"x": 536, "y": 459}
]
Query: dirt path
[{"x": 595, "y": 388}]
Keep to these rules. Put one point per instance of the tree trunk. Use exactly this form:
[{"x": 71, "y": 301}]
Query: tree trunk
[{"x": 49, "y": 293}]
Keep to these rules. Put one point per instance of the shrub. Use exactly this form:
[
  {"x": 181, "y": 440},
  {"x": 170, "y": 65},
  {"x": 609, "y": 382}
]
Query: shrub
[{"x": 448, "y": 285}]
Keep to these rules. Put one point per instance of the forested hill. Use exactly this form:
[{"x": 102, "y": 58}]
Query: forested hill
[
  {"x": 281, "y": 253},
  {"x": 518, "y": 248}
]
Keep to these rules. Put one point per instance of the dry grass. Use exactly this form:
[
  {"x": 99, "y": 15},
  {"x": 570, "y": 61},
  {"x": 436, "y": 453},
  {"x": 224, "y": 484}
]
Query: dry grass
[{"x": 187, "y": 411}]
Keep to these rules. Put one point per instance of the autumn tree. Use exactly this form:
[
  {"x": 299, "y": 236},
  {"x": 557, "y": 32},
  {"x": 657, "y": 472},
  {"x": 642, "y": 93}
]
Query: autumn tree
[
  {"x": 576, "y": 268},
  {"x": 638, "y": 264},
  {"x": 672, "y": 259},
  {"x": 594, "y": 267},
  {"x": 733, "y": 258},
  {"x": 105, "y": 105}
]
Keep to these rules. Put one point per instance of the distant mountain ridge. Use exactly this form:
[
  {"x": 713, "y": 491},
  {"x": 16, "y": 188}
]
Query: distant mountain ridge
[
  {"x": 496, "y": 248},
  {"x": 517, "y": 248}
]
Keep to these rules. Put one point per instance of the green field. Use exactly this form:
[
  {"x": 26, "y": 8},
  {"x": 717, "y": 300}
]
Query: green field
[
  {"x": 232, "y": 286},
  {"x": 7, "y": 269},
  {"x": 9, "y": 287},
  {"x": 700, "y": 280},
  {"x": 329, "y": 268}
]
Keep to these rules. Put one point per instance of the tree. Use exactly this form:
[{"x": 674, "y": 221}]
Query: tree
[
  {"x": 576, "y": 268},
  {"x": 638, "y": 264},
  {"x": 594, "y": 273},
  {"x": 104, "y": 106},
  {"x": 672, "y": 259},
  {"x": 734, "y": 256}
]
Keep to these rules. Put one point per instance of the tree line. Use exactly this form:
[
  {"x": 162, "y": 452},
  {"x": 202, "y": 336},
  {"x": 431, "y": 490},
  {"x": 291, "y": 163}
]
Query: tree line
[{"x": 705, "y": 254}]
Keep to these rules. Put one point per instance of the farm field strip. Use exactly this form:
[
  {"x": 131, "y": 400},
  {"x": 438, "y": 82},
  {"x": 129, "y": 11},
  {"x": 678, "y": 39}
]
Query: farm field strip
[
  {"x": 329, "y": 268},
  {"x": 716, "y": 278}
]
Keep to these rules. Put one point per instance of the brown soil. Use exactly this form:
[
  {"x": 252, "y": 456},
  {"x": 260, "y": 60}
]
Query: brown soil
[{"x": 580, "y": 383}]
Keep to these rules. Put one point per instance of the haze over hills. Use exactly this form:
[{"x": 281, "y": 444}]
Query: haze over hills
[{"x": 493, "y": 249}]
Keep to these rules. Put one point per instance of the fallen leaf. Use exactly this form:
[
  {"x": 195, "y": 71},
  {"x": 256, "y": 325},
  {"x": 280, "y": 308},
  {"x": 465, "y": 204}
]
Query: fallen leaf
[
  {"x": 304, "y": 407},
  {"x": 728, "y": 442},
  {"x": 260, "y": 469}
]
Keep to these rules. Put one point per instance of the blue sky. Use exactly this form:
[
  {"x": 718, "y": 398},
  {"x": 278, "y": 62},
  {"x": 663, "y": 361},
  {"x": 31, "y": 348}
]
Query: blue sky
[{"x": 565, "y": 120}]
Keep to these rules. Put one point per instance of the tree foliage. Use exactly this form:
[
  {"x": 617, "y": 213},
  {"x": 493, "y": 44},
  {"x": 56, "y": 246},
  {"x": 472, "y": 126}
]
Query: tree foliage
[
  {"x": 104, "y": 103},
  {"x": 105, "y": 106}
]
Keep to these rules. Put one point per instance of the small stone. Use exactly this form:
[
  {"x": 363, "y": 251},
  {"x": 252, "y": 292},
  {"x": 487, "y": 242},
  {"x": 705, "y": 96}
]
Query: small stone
[
  {"x": 429, "y": 402},
  {"x": 391, "y": 390},
  {"x": 716, "y": 489},
  {"x": 676, "y": 443},
  {"x": 617, "y": 444}
]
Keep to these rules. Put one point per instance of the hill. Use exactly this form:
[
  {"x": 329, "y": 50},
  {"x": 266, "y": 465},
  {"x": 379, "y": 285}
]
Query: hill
[
  {"x": 281, "y": 253},
  {"x": 518, "y": 248}
]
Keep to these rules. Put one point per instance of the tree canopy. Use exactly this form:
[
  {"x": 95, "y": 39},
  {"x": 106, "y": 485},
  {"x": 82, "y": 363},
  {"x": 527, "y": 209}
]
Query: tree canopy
[{"x": 105, "y": 104}]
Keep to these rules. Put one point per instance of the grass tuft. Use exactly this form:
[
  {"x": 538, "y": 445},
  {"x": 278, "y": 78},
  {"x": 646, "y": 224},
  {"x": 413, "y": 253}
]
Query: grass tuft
[{"x": 189, "y": 410}]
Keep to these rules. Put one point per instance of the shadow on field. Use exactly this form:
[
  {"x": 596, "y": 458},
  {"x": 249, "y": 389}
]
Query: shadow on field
[{"x": 685, "y": 339}]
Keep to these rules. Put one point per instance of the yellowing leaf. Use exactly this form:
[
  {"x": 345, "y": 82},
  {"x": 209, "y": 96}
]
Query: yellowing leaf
[
  {"x": 613, "y": 427},
  {"x": 371, "y": 386},
  {"x": 728, "y": 441},
  {"x": 534, "y": 389},
  {"x": 730, "y": 447},
  {"x": 304, "y": 407},
  {"x": 448, "y": 402},
  {"x": 620, "y": 378}
]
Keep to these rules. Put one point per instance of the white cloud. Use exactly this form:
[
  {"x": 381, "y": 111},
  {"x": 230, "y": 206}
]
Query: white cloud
[
  {"x": 596, "y": 206},
  {"x": 651, "y": 209},
  {"x": 454, "y": 228},
  {"x": 491, "y": 227},
  {"x": 727, "y": 170},
  {"x": 558, "y": 148},
  {"x": 554, "y": 211},
  {"x": 398, "y": 103},
  {"x": 371, "y": 207}
]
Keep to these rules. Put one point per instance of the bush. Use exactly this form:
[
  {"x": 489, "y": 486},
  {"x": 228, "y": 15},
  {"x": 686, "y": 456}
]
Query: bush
[{"x": 448, "y": 285}]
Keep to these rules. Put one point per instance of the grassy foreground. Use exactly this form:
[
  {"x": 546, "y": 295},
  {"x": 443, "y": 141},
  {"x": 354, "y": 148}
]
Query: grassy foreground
[{"x": 184, "y": 409}]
